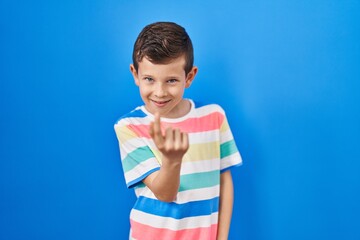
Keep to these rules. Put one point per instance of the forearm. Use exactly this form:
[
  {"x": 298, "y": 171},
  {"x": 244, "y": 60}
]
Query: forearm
[
  {"x": 165, "y": 182},
  {"x": 226, "y": 205},
  {"x": 173, "y": 145}
]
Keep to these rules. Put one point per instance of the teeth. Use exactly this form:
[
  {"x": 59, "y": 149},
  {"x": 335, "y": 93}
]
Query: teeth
[{"x": 161, "y": 102}]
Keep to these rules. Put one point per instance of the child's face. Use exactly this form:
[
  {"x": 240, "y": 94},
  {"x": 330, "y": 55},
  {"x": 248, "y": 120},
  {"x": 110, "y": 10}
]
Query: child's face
[{"x": 162, "y": 86}]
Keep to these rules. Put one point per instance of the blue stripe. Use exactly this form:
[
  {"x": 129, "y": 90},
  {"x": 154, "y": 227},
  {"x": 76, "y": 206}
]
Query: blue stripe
[
  {"x": 216, "y": 107},
  {"x": 177, "y": 211},
  {"x": 228, "y": 168},
  {"x": 133, "y": 114},
  {"x": 134, "y": 182},
  {"x": 199, "y": 104}
]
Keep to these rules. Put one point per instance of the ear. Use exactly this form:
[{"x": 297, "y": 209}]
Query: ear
[
  {"x": 190, "y": 76},
  {"x": 134, "y": 73}
]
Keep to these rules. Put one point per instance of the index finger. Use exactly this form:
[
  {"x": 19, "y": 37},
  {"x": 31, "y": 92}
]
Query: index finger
[
  {"x": 158, "y": 137},
  {"x": 156, "y": 117},
  {"x": 157, "y": 122}
]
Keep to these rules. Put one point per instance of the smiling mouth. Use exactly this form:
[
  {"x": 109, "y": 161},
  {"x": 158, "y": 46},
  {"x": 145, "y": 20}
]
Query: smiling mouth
[{"x": 160, "y": 103}]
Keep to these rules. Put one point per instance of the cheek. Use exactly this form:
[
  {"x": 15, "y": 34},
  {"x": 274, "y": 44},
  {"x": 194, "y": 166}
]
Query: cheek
[
  {"x": 177, "y": 92},
  {"x": 144, "y": 90}
]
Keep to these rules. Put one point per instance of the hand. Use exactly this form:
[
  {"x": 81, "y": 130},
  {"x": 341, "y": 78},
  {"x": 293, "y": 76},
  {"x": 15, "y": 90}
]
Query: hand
[{"x": 173, "y": 144}]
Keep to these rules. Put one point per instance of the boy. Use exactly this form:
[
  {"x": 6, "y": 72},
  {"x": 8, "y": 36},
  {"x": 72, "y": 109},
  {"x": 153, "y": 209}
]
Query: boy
[{"x": 178, "y": 165}]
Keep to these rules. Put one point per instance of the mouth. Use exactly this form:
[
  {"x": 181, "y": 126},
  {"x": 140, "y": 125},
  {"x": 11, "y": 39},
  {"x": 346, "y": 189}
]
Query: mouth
[{"x": 160, "y": 103}]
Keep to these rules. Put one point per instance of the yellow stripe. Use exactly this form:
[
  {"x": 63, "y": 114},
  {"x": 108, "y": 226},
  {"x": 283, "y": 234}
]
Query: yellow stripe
[
  {"x": 124, "y": 133},
  {"x": 224, "y": 126},
  {"x": 157, "y": 154},
  {"x": 208, "y": 151}
]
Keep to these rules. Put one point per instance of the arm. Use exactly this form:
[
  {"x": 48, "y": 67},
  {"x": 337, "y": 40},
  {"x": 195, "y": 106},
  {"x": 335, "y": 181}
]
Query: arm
[
  {"x": 226, "y": 205},
  {"x": 173, "y": 145}
]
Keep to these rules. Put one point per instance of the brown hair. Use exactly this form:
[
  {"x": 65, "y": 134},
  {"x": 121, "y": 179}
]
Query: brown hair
[{"x": 161, "y": 42}]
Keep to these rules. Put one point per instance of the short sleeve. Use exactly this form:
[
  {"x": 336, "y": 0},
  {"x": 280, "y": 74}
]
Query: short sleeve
[
  {"x": 229, "y": 153},
  {"x": 137, "y": 158}
]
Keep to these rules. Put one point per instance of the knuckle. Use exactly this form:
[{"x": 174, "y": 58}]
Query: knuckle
[
  {"x": 157, "y": 130},
  {"x": 160, "y": 146},
  {"x": 168, "y": 147}
]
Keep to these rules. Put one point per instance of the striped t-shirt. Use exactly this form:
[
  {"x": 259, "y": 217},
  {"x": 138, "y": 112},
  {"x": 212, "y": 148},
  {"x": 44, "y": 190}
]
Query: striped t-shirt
[{"x": 212, "y": 150}]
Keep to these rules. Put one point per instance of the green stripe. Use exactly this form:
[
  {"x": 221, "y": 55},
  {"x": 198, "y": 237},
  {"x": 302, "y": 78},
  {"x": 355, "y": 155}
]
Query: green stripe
[
  {"x": 199, "y": 180},
  {"x": 135, "y": 157},
  {"x": 140, "y": 185},
  {"x": 227, "y": 148}
]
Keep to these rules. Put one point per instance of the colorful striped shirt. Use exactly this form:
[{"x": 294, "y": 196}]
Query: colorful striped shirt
[{"x": 212, "y": 150}]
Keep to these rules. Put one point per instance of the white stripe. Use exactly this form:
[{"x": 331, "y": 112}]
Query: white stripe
[
  {"x": 194, "y": 138},
  {"x": 184, "y": 196},
  {"x": 171, "y": 223},
  {"x": 198, "y": 194},
  {"x": 133, "y": 144},
  {"x": 204, "y": 137},
  {"x": 121, "y": 123},
  {"x": 141, "y": 169},
  {"x": 195, "y": 113},
  {"x": 226, "y": 136},
  {"x": 206, "y": 110},
  {"x": 200, "y": 166},
  {"x": 231, "y": 160}
]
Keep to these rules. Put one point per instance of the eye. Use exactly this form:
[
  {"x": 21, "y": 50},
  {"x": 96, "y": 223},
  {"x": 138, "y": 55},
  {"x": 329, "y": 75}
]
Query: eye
[
  {"x": 148, "y": 79},
  {"x": 172, "y": 81}
]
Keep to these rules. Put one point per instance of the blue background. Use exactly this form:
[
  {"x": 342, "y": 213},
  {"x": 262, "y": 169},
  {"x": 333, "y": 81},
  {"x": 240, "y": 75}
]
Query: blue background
[{"x": 286, "y": 72}]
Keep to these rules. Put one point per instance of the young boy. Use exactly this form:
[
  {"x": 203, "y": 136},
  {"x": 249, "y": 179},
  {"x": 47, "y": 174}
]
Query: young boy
[{"x": 175, "y": 153}]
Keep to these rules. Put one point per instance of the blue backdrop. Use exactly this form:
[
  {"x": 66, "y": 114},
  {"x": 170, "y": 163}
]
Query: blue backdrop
[{"x": 286, "y": 72}]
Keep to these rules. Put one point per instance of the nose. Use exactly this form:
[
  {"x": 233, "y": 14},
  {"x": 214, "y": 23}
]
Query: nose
[{"x": 160, "y": 90}]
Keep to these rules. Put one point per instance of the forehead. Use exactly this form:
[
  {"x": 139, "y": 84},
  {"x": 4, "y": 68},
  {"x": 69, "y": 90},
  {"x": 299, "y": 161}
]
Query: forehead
[{"x": 175, "y": 67}]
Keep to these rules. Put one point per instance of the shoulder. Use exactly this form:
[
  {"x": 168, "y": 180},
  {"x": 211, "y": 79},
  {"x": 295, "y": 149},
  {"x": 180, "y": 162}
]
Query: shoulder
[
  {"x": 208, "y": 108},
  {"x": 134, "y": 116},
  {"x": 209, "y": 113}
]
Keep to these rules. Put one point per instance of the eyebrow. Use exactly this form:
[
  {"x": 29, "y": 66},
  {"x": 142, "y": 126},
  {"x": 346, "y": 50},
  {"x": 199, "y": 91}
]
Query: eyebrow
[{"x": 167, "y": 77}]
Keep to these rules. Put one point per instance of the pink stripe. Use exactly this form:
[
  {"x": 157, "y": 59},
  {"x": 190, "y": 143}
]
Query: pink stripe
[
  {"x": 192, "y": 125},
  {"x": 144, "y": 232}
]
